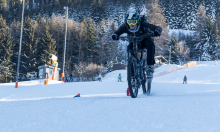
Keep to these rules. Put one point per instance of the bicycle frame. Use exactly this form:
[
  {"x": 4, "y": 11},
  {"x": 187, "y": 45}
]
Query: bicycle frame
[{"x": 139, "y": 61}]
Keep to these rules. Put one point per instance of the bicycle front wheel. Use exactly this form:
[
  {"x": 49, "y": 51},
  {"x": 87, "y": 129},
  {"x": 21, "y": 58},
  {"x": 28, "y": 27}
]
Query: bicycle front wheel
[{"x": 132, "y": 81}]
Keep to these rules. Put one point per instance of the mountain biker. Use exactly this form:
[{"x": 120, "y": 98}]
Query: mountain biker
[{"x": 134, "y": 25}]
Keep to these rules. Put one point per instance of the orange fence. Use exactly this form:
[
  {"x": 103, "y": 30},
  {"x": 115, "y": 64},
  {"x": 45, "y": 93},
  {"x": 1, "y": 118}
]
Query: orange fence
[{"x": 193, "y": 63}]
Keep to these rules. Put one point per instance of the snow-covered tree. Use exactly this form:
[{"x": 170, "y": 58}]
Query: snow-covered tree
[
  {"x": 29, "y": 57},
  {"x": 92, "y": 45},
  {"x": 5, "y": 51},
  {"x": 48, "y": 45},
  {"x": 174, "y": 50}
]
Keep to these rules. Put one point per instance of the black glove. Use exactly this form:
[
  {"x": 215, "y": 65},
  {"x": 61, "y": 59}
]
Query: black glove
[
  {"x": 156, "y": 33},
  {"x": 115, "y": 36}
]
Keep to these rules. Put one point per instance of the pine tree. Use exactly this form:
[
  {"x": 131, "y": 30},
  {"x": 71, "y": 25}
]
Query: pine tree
[
  {"x": 48, "y": 45},
  {"x": 213, "y": 51},
  {"x": 191, "y": 41},
  {"x": 30, "y": 46},
  {"x": 80, "y": 40},
  {"x": 173, "y": 15},
  {"x": 200, "y": 25},
  {"x": 111, "y": 47},
  {"x": 92, "y": 45},
  {"x": 211, "y": 38},
  {"x": 210, "y": 7},
  {"x": 209, "y": 41},
  {"x": 217, "y": 42},
  {"x": 5, "y": 51},
  {"x": 174, "y": 50},
  {"x": 15, "y": 33},
  {"x": 101, "y": 33},
  {"x": 191, "y": 17},
  {"x": 201, "y": 18},
  {"x": 166, "y": 10}
]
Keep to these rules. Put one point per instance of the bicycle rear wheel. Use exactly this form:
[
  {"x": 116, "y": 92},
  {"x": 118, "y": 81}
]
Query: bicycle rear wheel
[
  {"x": 143, "y": 83},
  {"x": 132, "y": 81},
  {"x": 144, "y": 87}
]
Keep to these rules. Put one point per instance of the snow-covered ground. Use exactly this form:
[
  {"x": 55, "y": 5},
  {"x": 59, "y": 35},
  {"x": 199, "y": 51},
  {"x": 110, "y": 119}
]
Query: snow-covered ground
[{"x": 104, "y": 106}]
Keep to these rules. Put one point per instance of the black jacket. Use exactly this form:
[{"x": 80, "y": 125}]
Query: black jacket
[{"x": 143, "y": 28}]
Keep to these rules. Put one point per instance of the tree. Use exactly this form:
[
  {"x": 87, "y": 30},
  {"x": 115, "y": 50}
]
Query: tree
[
  {"x": 200, "y": 25},
  {"x": 156, "y": 17},
  {"x": 48, "y": 45},
  {"x": 217, "y": 42},
  {"x": 30, "y": 46},
  {"x": 92, "y": 45},
  {"x": 211, "y": 40},
  {"x": 57, "y": 30},
  {"x": 15, "y": 29},
  {"x": 111, "y": 46},
  {"x": 81, "y": 38},
  {"x": 5, "y": 51},
  {"x": 174, "y": 50},
  {"x": 191, "y": 41}
]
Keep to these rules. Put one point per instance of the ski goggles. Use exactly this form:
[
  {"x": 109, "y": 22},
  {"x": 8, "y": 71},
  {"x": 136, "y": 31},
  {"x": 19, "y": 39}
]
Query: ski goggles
[{"x": 132, "y": 22}]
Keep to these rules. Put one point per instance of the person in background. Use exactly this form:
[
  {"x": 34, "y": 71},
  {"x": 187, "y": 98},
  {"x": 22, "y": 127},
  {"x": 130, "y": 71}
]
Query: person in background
[
  {"x": 100, "y": 78},
  {"x": 185, "y": 79},
  {"x": 63, "y": 79},
  {"x": 71, "y": 78},
  {"x": 119, "y": 77},
  {"x": 66, "y": 79}
]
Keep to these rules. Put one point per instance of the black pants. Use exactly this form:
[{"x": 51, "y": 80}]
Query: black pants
[{"x": 146, "y": 44}]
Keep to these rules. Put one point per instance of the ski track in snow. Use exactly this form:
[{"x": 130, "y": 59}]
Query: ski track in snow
[{"x": 104, "y": 106}]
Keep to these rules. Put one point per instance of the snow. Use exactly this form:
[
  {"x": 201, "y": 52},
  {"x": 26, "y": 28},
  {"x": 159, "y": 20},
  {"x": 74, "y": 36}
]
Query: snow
[
  {"x": 182, "y": 31},
  {"x": 104, "y": 106}
]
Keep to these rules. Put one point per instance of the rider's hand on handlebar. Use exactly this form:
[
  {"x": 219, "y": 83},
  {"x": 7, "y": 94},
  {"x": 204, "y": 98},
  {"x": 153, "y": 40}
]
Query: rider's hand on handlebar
[
  {"x": 156, "y": 33},
  {"x": 115, "y": 36}
]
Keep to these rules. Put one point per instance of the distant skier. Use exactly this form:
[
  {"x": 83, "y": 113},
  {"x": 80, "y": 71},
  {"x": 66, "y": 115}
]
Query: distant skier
[
  {"x": 119, "y": 77},
  {"x": 100, "y": 78},
  {"x": 71, "y": 78},
  {"x": 185, "y": 79}
]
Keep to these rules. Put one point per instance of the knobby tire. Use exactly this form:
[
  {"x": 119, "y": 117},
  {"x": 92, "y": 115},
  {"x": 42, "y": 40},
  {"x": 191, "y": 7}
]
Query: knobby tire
[{"x": 130, "y": 74}]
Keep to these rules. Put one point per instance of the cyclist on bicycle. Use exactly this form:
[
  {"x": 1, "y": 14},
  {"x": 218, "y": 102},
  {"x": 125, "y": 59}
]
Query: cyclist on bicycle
[{"x": 135, "y": 25}]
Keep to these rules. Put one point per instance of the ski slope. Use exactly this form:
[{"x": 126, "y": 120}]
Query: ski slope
[{"x": 104, "y": 106}]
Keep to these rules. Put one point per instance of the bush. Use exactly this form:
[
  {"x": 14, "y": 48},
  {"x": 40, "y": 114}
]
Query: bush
[{"x": 88, "y": 72}]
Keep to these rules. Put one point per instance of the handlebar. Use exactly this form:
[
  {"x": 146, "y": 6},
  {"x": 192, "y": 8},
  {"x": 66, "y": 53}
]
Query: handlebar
[{"x": 138, "y": 38}]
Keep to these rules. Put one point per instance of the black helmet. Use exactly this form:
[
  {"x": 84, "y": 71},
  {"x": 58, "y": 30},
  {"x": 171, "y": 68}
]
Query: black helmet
[{"x": 132, "y": 17}]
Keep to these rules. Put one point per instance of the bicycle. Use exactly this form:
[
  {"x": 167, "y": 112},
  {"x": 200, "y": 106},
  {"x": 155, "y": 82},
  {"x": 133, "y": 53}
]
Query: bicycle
[{"x": 136, "y": 75}]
